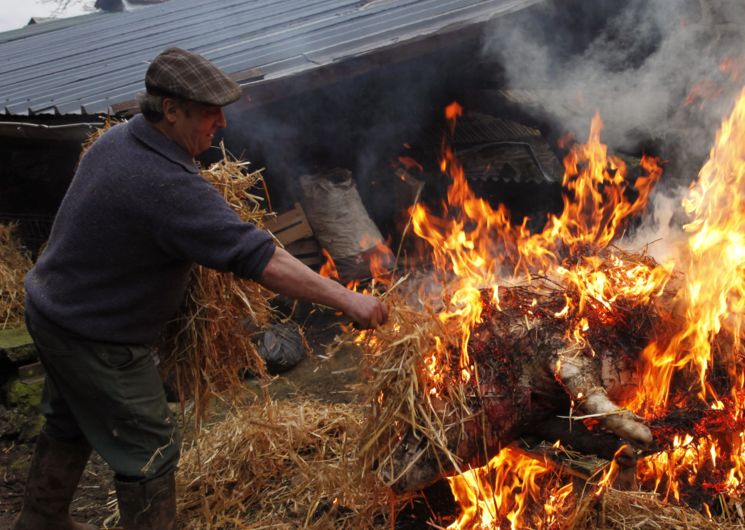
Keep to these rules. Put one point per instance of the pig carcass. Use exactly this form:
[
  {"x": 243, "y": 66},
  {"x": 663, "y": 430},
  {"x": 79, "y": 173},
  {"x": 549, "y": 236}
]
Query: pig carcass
[{"x": 530, "y": 376}]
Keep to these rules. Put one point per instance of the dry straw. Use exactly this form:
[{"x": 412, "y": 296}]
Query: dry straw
[
  {"x": 210, "y": 346},
  {"x": 396, "y": 367},
  {"x": 296, "y": 464},
  {"x": 281, "y": 465},
  {"x": 630, "y": 510},
  {"x": 15, "y": 262}
]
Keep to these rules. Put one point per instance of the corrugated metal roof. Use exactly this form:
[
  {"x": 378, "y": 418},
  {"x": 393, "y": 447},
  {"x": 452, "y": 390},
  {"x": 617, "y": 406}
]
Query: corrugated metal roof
[{"x": 90, "y": 63}]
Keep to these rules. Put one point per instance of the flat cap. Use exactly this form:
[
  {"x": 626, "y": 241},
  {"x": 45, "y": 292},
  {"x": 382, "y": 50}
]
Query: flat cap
[{"x": 181, "y": 73}]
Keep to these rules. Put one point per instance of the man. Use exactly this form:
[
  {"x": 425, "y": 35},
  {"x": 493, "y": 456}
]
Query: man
[{"x": 136, "y": 217}]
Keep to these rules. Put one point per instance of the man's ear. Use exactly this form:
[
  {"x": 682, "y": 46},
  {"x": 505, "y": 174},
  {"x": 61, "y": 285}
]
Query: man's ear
[{"x": 171, "y": 108}]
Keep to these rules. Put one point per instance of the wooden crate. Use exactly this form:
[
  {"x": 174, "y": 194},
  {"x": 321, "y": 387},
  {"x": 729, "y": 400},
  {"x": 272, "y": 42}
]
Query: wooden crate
[{"x": 292, "y": 229}]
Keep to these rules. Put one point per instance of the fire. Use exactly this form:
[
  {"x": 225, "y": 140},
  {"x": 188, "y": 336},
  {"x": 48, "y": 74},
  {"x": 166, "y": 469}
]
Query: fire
[
  {"x": 378, "y": 255},
  {"x": 503, "y": 489},
  {"x": 709, "y": 338},
  {"x": 715, "y": 275},
  {"x": 596, "y": 204},
  {"x": 328, "y": 269},
  {"x": 694, "y": 363},
  {"x": 681, "y": 465},
  {"x": 410, "y": 164},
  {"x": 381, "y": 262},
  {"x": 476, "y": 247}
]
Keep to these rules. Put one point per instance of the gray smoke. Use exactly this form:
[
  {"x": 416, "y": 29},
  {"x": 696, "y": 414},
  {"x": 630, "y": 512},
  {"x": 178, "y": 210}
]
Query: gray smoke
[
  {"x": 641, "y": 63},
  {"x": 661, "y": 235}
]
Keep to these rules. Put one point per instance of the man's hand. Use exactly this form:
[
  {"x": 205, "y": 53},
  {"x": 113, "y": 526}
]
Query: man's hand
[
  {"x": 286, "y": 275},
  {"x": 367, "y": 311}
]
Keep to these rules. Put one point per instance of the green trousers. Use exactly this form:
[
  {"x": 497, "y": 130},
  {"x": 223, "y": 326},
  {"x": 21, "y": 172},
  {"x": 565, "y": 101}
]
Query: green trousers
[{"x": 112, "y": 395}]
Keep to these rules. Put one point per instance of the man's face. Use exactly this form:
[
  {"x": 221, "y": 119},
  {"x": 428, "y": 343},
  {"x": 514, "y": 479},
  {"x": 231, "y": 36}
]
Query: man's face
[{"x": 193, "y": 125}]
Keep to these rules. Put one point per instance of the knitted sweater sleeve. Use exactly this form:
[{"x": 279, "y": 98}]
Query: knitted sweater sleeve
[{"x": 192, "y": 221}]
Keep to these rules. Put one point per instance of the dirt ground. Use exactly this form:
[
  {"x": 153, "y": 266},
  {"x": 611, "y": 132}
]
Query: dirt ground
[
  {"x": 331, "y": 379},
  {"x": 93, "y": 500}
]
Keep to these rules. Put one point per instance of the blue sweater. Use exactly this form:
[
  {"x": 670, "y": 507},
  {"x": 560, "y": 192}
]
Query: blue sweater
[{"x": 135, "y": 218}]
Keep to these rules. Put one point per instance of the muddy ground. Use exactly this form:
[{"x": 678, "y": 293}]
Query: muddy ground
[{"x": 327, "y": 378}]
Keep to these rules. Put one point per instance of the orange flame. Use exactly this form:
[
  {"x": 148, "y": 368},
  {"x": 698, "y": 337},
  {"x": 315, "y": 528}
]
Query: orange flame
[
  {"x": 328, "y": 269},
  {"x": 475, "y": 247},
  {"x": 595, "y": 203},
  {"x": 381, "y": 261},
  {"x": 409, "y": 163},
  {"x": 714, "y": 302},
  {"x": 715, "y": 278},
  {"x": 473, "y": 243},
  {"x": 503, "y": 489},
  {"x": 734, "y": 66}
]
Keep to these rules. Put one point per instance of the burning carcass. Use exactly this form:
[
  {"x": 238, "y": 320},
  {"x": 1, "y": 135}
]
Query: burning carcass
[
  {"x": 520, "y": 374},
  {"x": 575, "y": 340}
]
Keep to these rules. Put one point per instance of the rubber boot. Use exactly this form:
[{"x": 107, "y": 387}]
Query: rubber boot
[
  {"x": 149, "y": 505},
  {"x": 55, "y": 471}
]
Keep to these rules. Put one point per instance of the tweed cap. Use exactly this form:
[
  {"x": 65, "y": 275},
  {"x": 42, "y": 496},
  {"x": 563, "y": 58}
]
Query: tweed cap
[{"x": 181, "y": 73}]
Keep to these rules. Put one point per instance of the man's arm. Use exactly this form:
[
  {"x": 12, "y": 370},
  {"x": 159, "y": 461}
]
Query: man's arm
[{"x": 287, "y": 275}]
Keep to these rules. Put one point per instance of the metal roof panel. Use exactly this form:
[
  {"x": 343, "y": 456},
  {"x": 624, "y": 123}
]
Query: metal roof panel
[{"x": 90, "y": 63}]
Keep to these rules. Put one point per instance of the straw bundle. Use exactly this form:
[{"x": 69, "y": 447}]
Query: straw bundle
[
  {"x": 108, "y": 123},
  {"x": 15, "y": 262},
  {"x": 396, "y": 366},
  {"x": 280, "y": 465},
  {"x": 627, "y": 510},
  {"x": 287, "y": 465},
  {"x": 208, "y": 347}
]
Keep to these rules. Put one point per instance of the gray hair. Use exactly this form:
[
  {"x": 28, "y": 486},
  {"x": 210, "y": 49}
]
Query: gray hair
[{"x": 151, "y": 106}]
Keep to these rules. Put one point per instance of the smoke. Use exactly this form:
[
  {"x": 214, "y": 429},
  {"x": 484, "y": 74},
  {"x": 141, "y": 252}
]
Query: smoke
[
  {"x": 661, "y": 73},
  {"x": 359, "y": 123},
  {"x": 652, "y": 68},
  {"x": 660, "y": 234}
]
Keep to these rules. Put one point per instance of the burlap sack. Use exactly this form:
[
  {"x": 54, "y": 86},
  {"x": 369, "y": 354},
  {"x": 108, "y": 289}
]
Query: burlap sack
[{"x": 335, "y": 211}]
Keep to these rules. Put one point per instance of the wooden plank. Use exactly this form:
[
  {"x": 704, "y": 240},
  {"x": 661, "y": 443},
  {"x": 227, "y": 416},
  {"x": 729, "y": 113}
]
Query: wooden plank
[
  {"x": 303, "y": 246},
  {"x": 286, "y": 219},
  {"x": 292, "y": 234},
  {"x": 290, "y": 226},
  {"x": 311, "y": 261},
  {"x": 30, "y": 371}
]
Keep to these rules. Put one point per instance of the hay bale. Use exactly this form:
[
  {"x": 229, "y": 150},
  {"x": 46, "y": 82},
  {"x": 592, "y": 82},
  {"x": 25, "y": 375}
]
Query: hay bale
[
  {"x": 15, "y": 262},
  {"x": 281, "y": 465}
]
